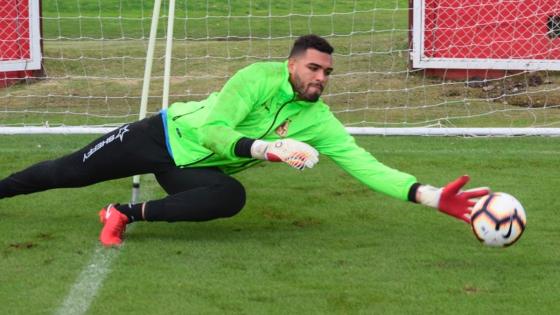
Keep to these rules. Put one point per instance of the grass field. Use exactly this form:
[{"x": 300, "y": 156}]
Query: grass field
[{"x": 315, "y": 242}]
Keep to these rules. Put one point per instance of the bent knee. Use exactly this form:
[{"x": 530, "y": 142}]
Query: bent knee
[{"x": 233, "y": 194}]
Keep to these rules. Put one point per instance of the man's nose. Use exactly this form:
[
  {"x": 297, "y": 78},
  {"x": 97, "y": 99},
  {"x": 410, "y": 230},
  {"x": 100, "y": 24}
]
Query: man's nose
[{"x": 320, "y": 76}]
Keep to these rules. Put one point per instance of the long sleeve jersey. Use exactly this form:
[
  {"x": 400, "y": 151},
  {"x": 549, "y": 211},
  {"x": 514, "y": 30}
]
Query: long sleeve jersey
[{"x": 258, "y": 102}]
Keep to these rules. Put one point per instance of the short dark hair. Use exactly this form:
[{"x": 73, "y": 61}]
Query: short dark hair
[{"x": 311, "y": 41}]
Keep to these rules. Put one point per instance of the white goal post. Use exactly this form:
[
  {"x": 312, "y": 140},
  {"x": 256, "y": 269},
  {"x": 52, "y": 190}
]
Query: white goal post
[{"x": 98, "y": 67}]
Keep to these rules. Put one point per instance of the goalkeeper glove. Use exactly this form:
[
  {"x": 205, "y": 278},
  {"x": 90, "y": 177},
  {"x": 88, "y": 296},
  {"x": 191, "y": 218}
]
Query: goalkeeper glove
[
  {"x": 451, "y": 199},
  {"x": 295, "y": 153}
]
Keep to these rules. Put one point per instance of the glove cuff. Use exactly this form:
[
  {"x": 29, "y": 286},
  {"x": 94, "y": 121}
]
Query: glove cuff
[
  {"x": 258, "y": 149},
  {"x": 428, "y": 195}
]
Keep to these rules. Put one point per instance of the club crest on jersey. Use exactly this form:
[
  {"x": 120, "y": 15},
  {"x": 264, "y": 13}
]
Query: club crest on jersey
[{"x": 282, "y": 130}]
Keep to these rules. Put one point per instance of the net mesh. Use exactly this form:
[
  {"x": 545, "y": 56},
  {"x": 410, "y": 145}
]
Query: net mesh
[{"x": 94, "y": 56}]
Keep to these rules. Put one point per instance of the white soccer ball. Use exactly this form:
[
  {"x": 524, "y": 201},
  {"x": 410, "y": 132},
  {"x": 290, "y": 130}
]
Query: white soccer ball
[{"x": 498, "y": 219}]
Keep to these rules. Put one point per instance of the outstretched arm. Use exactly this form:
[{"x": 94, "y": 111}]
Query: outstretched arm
[{"x": 336, "y": 143}]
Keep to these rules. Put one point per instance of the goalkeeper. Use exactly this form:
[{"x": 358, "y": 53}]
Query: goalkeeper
[{"x": 268, "y": 111}]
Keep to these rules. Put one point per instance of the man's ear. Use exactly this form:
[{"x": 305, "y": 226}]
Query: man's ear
[{"x": 291, "y": 64}]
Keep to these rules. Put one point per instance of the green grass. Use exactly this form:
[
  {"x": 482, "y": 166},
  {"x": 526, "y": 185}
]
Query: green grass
[
  {"x": 314, "y": 242},
  {"x": 310, "y": 242},
  {"x": 221, "y": 18}
]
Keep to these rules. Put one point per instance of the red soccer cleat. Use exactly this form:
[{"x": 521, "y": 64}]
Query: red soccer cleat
[{"x": 114, "y": 225}]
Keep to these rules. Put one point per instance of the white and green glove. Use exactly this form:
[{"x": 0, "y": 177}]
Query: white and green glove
[{"x": 295, "y": 153}]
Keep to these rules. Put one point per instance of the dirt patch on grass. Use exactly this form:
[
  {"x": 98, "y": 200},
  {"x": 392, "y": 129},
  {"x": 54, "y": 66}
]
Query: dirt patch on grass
[{"x": 24, "y": 245}]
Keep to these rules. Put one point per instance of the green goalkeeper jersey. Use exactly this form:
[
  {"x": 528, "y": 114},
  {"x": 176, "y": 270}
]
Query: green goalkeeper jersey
[{"x": 259, "y": 102}]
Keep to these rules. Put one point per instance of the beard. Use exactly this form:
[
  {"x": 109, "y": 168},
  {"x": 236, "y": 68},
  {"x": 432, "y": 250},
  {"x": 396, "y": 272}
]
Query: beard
[{"x": 303, "y": 92}]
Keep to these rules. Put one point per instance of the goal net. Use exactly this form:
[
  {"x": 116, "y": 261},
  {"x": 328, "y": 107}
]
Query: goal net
[{"x": 94, "y": 54}]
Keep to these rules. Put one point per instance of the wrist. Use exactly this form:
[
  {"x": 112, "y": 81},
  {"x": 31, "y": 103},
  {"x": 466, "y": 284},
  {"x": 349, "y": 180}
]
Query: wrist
[
  {"x": 428, "y": 195},
  {"x": 412, "y": 192},
  {"x": 258, "y": 149}
]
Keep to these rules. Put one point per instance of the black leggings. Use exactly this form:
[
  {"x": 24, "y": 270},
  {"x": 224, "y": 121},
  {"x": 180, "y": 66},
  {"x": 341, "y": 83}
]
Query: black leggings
[{"x": 195, "y": 194}]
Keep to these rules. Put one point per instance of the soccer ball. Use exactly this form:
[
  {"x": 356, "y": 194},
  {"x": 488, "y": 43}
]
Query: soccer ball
[{"x": 498, "y": 219}]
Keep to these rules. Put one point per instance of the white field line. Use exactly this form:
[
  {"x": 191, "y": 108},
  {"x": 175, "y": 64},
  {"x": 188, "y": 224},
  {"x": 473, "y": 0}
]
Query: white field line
[
  {"x": 88, "y": 282},
  {"x": 91, "y": 278}
]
